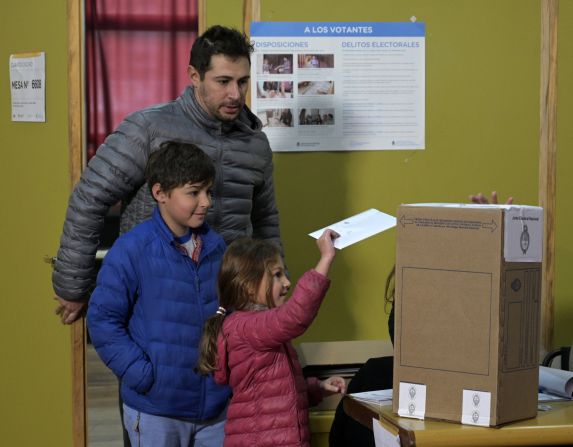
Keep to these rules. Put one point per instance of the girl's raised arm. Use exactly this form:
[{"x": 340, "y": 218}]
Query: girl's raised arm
[{"x": 325, "y": 245}]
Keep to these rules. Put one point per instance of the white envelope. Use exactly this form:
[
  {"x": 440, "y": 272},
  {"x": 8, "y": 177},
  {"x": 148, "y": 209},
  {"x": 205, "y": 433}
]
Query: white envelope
[{"x": 358, "y": 227}]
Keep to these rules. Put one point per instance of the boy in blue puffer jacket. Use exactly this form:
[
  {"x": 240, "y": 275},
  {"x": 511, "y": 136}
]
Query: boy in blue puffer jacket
[{"x": 156, "y": 288}]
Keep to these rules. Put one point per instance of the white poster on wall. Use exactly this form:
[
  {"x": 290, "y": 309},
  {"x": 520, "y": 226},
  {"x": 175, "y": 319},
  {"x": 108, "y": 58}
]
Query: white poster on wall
[
  {"x": 339, "y": 86},
  {"x": 27, "y": 86}
]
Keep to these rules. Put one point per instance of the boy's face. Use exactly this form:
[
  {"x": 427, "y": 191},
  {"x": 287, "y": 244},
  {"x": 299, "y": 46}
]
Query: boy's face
[
  {"x": 221, "y": 93},
  {"x": 279, "y": 284},
  {"x": 183, "y": 207}
]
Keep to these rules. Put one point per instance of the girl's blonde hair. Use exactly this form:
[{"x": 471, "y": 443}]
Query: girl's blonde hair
[{"x": 244, "y": 266}]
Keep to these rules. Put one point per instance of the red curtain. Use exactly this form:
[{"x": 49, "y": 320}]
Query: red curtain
[{"x": 137, "y": 53}]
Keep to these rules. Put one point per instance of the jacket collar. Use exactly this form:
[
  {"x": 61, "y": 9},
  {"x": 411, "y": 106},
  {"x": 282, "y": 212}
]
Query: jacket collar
[
  {"x": 207, "y": 235},
  {"x": 247, "y": 122}
]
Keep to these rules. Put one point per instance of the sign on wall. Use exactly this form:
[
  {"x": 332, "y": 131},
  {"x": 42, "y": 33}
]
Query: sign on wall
[
  {"x": 28, "y": 86},
  {"x": 339, "y": 86}
]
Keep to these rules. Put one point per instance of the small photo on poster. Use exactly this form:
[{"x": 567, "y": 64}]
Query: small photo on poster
[
  {"x": 316, "y": 61},
  {"x": 274, "y": 89},
  {"x": 316, "y": 117},
  {"x": 274, "y": 64},
  {"x": 315, "y": 88},
  {"x": 278, "y": 117}
]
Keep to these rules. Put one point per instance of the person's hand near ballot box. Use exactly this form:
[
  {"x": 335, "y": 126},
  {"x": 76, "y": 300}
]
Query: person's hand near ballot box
[
  {"x": 333, "y": 385},
  {"x": 480, "y": 198}
]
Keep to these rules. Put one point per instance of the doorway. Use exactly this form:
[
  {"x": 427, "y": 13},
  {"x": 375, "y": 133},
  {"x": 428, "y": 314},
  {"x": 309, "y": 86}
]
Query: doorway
[{"x": 92, "y": 382}]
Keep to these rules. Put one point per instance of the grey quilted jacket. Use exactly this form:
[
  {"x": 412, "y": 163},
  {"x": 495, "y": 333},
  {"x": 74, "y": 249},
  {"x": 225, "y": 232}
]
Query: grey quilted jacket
[{"x": 243, "y": 193}]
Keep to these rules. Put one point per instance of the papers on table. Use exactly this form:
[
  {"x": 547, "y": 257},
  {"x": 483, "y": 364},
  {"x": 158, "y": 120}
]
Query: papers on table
[
  {"x": 544, "y": 397},
  {"x": 358, "y": 227},
  {"x": 374, "y": 397},
  {"x": 555, "y": 384}
]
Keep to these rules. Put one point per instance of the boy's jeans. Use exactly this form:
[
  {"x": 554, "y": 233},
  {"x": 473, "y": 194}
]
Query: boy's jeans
[{"x": 147, "y": 430}]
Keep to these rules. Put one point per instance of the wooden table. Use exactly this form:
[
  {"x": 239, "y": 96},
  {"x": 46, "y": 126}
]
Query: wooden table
[{"x": 551, "y": 427}]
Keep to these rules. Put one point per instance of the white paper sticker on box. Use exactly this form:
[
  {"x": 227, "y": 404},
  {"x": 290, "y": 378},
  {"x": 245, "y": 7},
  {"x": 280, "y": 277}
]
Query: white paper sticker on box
[
  {"x": 523, "y": 238},
  {"x": 476, "y": 407},
  {"x": 412, "y": 400}
]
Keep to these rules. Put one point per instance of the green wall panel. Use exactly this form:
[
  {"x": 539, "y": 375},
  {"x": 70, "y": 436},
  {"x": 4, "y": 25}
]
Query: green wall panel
[
  {"x": 482, "y": 120},
  {"x": 35, "y": 377}
]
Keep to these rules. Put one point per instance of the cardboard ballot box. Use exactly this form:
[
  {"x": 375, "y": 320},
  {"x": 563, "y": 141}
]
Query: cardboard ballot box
[{"x": 468, "y": 281}]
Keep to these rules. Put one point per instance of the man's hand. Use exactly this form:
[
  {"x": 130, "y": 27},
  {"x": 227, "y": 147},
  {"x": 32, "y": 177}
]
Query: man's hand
[
  {"x": 69, "y": 311},
  {"x": 480, "y": 198}
]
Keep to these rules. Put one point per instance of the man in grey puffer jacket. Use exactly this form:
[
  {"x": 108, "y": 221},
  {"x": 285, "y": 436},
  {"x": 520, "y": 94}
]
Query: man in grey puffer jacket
[{"x": 210, "y": 113}]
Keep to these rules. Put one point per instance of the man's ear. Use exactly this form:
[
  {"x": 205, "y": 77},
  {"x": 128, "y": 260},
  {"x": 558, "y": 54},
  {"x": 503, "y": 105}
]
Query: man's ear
[
  {"x": 194, "y": 75},
  {"x": 158, "y": 194}
]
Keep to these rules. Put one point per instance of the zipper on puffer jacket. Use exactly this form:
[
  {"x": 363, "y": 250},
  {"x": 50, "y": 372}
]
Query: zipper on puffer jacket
[
  {"x": 194, "y": 267},
  {"x": 293, "y": 380}
]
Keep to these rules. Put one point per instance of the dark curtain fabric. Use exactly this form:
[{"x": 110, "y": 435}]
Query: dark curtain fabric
[{"x": 137, "y": 53}]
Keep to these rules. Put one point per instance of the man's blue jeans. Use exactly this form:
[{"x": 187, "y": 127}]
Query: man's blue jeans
[{"x": 147, "y": 430}]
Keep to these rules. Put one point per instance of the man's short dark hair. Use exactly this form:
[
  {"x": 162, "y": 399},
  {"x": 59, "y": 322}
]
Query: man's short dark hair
[
  {"x": 177, "y": 164},
  {"x": 218, "y": 40}
]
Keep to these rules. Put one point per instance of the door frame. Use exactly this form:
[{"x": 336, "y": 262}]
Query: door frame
[{"x": 76, "y": 157}]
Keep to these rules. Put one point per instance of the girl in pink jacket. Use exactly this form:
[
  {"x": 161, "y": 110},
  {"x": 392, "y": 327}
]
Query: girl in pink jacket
[{"x": 247, "y": 344}]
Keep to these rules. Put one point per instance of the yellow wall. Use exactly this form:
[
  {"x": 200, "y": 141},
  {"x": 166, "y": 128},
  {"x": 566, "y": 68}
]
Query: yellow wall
[
  {"x": 482, "y": 83},
  {"x": 482, "y": 121},
  {"x": 35, "y": 391}
]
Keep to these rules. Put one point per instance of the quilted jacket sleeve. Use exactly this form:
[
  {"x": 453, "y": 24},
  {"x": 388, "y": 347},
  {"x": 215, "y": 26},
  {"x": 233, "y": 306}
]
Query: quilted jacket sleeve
[
  {"x": 115, "y": 172},
  {"x": 314, "y": 391},
  {"x": 265, "y": 215},
  {"x": 271, "y": 328},
  {"x": 109, "y": 310}
]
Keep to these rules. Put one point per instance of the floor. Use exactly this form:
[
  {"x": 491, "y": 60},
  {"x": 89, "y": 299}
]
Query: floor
[{"x": 104, "y": 426}]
